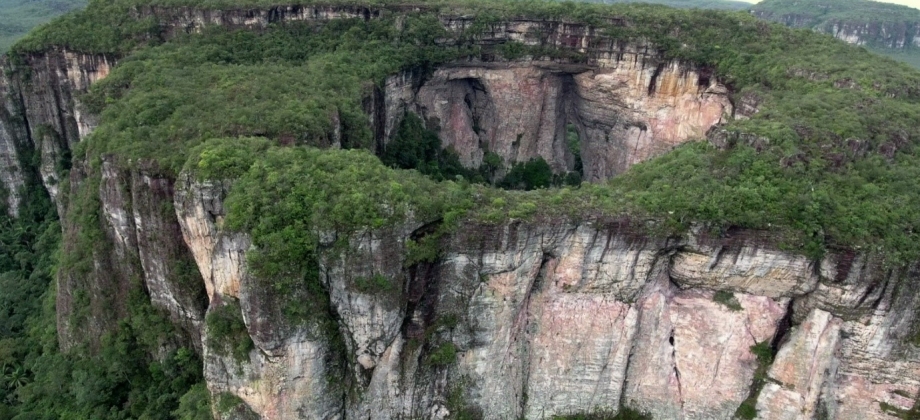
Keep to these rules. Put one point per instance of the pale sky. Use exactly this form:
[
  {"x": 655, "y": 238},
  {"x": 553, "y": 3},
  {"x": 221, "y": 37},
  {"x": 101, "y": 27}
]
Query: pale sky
[{"x": 911, "y": 3}]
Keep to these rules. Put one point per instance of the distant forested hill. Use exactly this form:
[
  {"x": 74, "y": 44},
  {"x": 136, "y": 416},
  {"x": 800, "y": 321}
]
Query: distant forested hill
[
  {"x": 18, "y": 16},
  {"x": 886, "y": 28},
  {"x": 689, "y": 4}
]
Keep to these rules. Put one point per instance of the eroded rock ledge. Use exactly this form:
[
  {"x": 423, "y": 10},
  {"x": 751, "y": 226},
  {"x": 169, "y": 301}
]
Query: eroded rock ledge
[
  {"x": 556, "y": 317},
  {"x": 625, "y": 109}
]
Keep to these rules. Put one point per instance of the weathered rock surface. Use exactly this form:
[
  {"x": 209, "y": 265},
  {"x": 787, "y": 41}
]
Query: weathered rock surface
[
  {"x": 13, "y": 131},
  {"x": 801, "y": 369},
  {"x": 559, "y": 318},
  {"x": 219, "y": 255},
  {"x": 516, "y": 320},
  {"x": 56, "y": 119},
  {"x": 693, "y": 358},
  {"x": 751, "y": 268},
  {"x": 624, "y": 110}
]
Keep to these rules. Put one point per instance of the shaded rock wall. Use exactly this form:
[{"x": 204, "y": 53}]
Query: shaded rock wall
[
  {"x": 133, "y": 242},
  {"x": 625, "y": 110}
]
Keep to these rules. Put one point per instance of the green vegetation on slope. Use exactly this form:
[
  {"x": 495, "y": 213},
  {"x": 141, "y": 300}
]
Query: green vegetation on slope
[
  {"x": 17, "y": 17},
  {"x": 910, "y": 57},
  {"x": 830, "y": 159},
  {"x": 828, "y": 15},
  {"x": 118, "y": 381},
  {"x": 688, "y": 4},
  {"x": 821, "y": 11}
]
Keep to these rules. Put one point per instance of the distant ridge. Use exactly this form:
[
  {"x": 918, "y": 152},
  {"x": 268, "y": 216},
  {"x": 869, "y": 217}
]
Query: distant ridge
[
  {"x": 17, "y": 17},
  {"x": 886, "y": 28},
  {"x": 691, "y": 4}
]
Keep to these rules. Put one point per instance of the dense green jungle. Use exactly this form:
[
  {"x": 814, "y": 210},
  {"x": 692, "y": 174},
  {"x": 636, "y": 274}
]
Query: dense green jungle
[{"x": 823, "y": 166}]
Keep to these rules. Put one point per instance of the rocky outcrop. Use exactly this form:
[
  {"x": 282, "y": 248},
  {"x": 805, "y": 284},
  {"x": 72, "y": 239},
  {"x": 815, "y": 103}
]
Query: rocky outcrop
[
  {"x": 626, "y": 102},
  {"x": 40, "y": 112},
  {"x": 285, "y": 376},
  {"x": 801, "y": 369},
  {"x": 136, "y": 237},
  {"x": 534, "y": 320},
  {"x": 56, "y": 119},
  {"x": 13, "y": 131},
  {"x": 219, "y": 255},
  {"x": 625, "y": 110}
]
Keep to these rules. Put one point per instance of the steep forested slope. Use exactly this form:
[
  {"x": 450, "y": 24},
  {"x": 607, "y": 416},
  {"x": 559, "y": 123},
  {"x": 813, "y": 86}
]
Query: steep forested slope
[
  {"x": 886, "y": 28},
  {"x": 698, "y": 4},
  {"x": 19, "y": 16},
  {"x": 280, "y": 119}
]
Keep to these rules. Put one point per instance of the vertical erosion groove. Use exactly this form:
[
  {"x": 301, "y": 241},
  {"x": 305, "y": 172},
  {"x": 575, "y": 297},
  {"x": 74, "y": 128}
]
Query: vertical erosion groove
[{"x": 653, "y": 83}]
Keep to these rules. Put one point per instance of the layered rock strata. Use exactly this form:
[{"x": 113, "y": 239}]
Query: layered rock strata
[{"x": 555, "y": 318}]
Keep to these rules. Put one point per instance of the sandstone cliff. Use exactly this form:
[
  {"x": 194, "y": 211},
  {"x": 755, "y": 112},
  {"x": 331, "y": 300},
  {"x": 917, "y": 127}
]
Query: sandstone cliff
[
  {"x": 514, "y": 319},
  {"x": 561, "y": 317}
]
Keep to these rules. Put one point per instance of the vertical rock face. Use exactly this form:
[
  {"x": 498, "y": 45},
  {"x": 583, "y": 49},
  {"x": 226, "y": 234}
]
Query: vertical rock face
[
  {"x": 801, "y": 369},
  {"x": 560, "y": 318},
  {"x": 219, "y": 255},
  {"x": 894, "y": 35},
  {"x": 292, "y": 383},
  {"x": 101, "y": 282},
  {"x": 136, "y": 238},
  {"x": 625, "y": 110},
  {"x": 287, "y": 374},
  {"x": 171, "y": 275},
  {"x": 694, "y": 358},
  {"x": 56, "y": 119},
  {"x": 751, "y": 268},
  {"x": 13, "y": 131}
]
